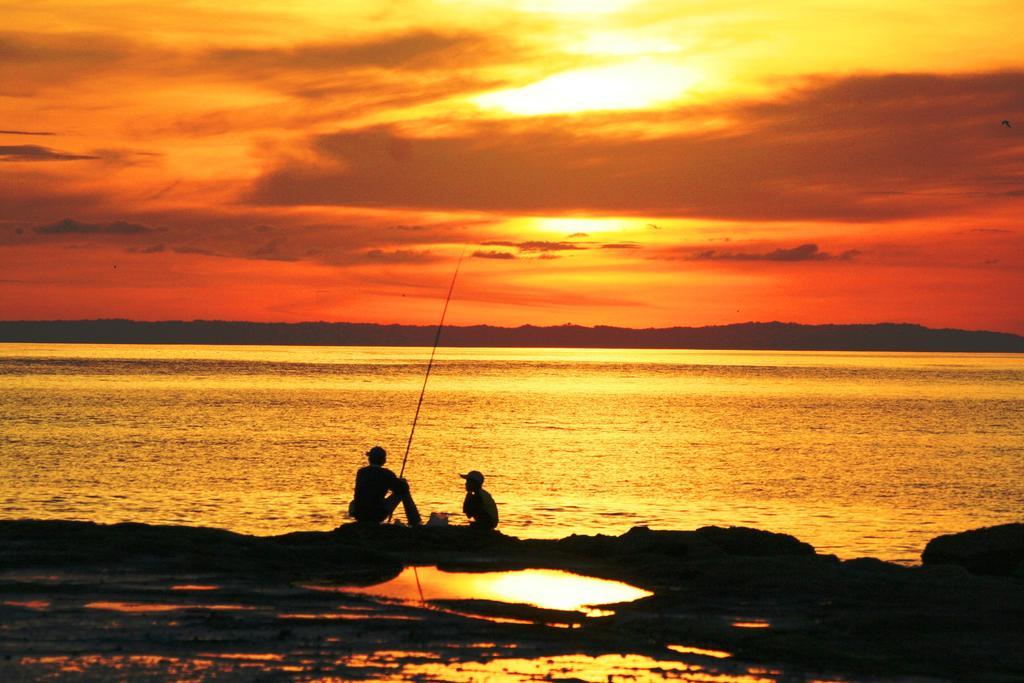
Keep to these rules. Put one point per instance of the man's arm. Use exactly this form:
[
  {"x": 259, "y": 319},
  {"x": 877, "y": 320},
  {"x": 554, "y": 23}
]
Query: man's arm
[
  {"x": 353, "y": 505},
  {"x": 394, "y": 484},
  {"x": 471, "y": 506},
  {"x": 358, "y": 485}
]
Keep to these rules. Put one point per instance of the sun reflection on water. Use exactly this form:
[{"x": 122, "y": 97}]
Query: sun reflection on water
[{"x": 543, "y": 588}]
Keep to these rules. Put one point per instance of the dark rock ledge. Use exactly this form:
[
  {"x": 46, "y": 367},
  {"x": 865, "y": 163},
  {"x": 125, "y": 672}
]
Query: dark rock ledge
[
  {"x": 994, "y": 550},
  {"x": 856, "y": 618}
]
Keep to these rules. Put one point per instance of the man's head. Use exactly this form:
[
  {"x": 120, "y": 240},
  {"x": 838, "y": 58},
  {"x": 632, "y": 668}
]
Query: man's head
[
  {"x": 377, "y": 455},
  {"x": 474, "y": 480}
]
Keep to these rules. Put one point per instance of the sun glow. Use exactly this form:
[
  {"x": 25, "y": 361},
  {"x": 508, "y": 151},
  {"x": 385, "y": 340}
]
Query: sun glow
[
  {"x": 571, "y": 7},
  {"x": 638, "y": 85},
  {"x": 617, "y": 43},
  {"x": 575, "y": 227}
]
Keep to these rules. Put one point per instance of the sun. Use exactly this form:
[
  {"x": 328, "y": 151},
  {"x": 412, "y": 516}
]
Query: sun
[
  {"x": 642, "y": 84},
  {"x": 562, "y": 226}
]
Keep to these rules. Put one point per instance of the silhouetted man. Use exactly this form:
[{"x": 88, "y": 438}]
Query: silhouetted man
[
  {"x": 379, "y": 491},
  {"x": 478, "y": 505}
]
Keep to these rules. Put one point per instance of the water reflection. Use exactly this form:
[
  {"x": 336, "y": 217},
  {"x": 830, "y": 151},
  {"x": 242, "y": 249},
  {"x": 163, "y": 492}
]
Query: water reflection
[
  {"x": 256, "y": 656},
  {"x": 634, "y": 668},
  {"x": 395, "y": 665},
  {"x": 38, "y": 605},
  {"x": 543, "y": 588},
  {"x": 704, "y": 652},
  {"x": 751, "y": 623},
  {"x": 347, "y": 615},
  {"x": 144, "y": 607}
]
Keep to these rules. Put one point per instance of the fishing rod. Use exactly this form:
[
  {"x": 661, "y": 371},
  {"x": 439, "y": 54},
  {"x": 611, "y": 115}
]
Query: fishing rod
[{"x": 430, "y": 365}]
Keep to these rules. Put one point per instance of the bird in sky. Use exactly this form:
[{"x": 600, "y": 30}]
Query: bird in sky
[{"x": 1007, "y": 124}]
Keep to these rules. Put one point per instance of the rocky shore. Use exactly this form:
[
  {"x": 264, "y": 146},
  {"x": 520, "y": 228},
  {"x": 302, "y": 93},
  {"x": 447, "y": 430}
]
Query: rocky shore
[{"x": 141, "y": 602}]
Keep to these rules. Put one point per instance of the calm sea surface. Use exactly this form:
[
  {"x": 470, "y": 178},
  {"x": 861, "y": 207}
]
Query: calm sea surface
[{"x": 856, "y": 453}]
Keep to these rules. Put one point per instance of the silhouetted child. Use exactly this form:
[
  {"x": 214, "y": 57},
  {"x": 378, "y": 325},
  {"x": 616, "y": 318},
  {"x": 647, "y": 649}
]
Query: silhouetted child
[
  {"x": 372, "y": 503},
  {"x": 478, "y": 505}
]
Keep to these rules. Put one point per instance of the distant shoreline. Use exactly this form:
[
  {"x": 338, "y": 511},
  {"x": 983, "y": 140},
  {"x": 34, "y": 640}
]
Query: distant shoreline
[{"x": 769, "y": 336}]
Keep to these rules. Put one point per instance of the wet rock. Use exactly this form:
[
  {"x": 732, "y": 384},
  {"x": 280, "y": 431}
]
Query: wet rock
[
  {"x": 494, "y": 610},
  {"x": 180, "y": 549},
  {"x": 864, "y": 618},
  {"x": 994, "y": 550},
  {"x": 641, "y": 540},
  {"x": 873, "y": 565},
  {"x": 709, "y": 541},
  {"x": 747, "y": 542}
]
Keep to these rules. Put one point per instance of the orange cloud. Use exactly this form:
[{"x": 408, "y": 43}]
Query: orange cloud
[
  {"x": 38, "y": 153},
  {"x": 804, "y": 252},
  {"x": 865, "y": 148},
  {"x": 330, "y": 161}
]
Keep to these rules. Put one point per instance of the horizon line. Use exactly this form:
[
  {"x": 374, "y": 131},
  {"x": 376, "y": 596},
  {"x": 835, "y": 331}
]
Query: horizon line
[{"x": 889, "y": 323}]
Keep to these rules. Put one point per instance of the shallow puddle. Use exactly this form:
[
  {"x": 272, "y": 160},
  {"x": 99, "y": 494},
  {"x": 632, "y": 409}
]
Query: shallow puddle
[{"x": 543, "y": 588}]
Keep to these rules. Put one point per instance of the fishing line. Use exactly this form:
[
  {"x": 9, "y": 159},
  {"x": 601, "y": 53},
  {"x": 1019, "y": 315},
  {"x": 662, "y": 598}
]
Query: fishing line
[
  {"x": 419, "y": 587},
  {"x": 430, "y": 364}
]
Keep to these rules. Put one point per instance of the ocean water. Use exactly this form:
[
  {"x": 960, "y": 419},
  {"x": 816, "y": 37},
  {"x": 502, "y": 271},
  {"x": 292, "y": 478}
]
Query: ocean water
[{"x": 856, "y": 453}]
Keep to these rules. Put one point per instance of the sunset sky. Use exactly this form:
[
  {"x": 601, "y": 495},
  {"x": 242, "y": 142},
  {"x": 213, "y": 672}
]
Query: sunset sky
[{"x": 635, "y": 163}]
